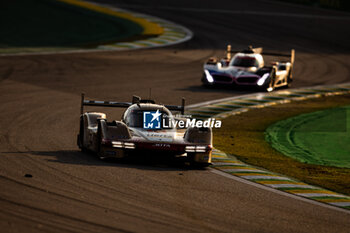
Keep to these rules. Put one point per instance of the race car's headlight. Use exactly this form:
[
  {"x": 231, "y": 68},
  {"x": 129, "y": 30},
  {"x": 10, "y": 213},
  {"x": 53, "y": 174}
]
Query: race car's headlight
[
  {"x": 201, "y": 149},
  {"x": 126, "y": 145},
  {"x": 129, "y": 145},
  {"x": 263, "y": 79},
  {"x": 197, "y": 148},
  {"x": 190, "y": 148},
  {"x": 208, "y": 76}
]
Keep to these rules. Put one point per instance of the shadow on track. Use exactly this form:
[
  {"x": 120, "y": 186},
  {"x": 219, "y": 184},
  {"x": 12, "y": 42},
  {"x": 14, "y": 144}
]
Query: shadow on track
[
  {"x": 235, "y": 90},
  {"x": 143, "y": 162}
]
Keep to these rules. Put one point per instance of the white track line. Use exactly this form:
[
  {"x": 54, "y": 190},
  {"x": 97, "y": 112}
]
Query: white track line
[
  {"x": 242, "y": 175},
  {"x": 256, "y": 95},
  {"x": 280, "y": 192}
]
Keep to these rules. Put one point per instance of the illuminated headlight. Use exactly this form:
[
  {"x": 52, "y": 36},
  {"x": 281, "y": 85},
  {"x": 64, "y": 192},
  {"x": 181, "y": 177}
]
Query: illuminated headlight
[
  {"x": 126, "y": 145},
  {"x": 263, "y": 79},
  {"x": 208, "y": 76},
  {"x": 190, "y": 148},
  {"x": 129, "y": 145},
  {"x": 196, "y": 148},
  {"x": 201, "y": 149}
]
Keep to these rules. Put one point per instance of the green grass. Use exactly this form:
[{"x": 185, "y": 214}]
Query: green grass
[
  {"x": 320, "y": 137},
  {"x": 243, "y": 135},
  {"x": 35, "y": 24}
]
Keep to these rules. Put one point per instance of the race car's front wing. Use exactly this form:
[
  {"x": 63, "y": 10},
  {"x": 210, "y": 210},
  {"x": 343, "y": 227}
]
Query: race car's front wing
[
  {"x": 120, "y": 149},
  {"x": 222, "y": 78}
]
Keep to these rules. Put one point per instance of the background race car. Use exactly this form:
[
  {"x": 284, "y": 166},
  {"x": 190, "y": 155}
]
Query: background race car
[
  {"x": 247, "y": 68},
  {"x": 145, "y": 128}
]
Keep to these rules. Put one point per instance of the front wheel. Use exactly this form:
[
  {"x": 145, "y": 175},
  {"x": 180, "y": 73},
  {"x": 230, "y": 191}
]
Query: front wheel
[
  {"x": 289, "y": 78},
  {"x": 80, "y": 143},
  {"x": 99, "y": 140},
  {"x": 80, "y": 137},
  {"x": 200, "y": 165},
  {"x": 270, "y": 86},
  {"x": 205, "y": 82},
  {"x": 197, "y": 160}
]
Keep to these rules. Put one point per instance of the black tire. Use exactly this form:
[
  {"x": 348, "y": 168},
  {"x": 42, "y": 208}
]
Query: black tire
[
  {"x": 271, "y": 85},
  {"x": 200, "y": 165},
  {"x": 205, "y": 82},
  {"x": 80, "y": 139},
  {"x": 268, "y": 87},
  {"x": 289, "y": 78},
  {"x": 194, "y": 164},
  {"x": 79, "y": 142},
  {"x": 99, "y": 140}
]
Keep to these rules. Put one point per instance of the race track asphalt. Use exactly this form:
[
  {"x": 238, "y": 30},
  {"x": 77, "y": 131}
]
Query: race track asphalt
[{"x": 70, "y": 191}]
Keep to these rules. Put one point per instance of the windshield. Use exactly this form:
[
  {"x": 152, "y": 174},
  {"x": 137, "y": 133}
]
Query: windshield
[
  {"x": 136, "y": 118},
  {"x": 245, "y": 62}
]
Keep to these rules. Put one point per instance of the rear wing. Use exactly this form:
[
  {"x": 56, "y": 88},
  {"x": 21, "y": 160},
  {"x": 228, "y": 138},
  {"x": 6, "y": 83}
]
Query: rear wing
[
  {"x": 135, "y": 100},
  {"x": 180, "y": 108},
  {"x": 291, "y": 55},
  {"x": 250, "y": 49}
]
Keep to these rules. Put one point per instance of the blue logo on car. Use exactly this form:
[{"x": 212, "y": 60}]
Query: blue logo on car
[{"x": 151, "y": 120}]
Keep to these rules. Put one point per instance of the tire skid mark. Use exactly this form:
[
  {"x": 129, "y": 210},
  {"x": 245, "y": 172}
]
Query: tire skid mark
[
  {"x": 41, "y": 225},
  {"x": 87, "y": 203},
  {"x": 35, "y": 163},
  {"x": 56, "y": 214}
]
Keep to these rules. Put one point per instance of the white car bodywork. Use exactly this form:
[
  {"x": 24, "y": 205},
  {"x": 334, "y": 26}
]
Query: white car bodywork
[
  {"x": 248, "y": 68},
  {"x": 120, "y": 139}
]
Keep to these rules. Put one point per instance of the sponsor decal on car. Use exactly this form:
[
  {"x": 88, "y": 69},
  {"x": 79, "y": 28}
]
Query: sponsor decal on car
[
  {"x": 157, "y": 120},
  {"x": 151, "y": 120},
  {"x": 162, "y": 145},
  {"x": 186, "y": 123}
]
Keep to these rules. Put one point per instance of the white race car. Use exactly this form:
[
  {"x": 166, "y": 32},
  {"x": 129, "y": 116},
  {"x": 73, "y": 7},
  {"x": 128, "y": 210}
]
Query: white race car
[
  {"x": 145, "y": 128},
  {"x": 247, "y": 68}
]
